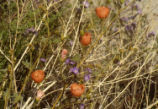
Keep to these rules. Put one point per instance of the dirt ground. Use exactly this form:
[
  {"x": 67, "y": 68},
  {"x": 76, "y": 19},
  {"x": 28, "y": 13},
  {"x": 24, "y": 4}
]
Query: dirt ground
[{"x": 151, "y": 8}]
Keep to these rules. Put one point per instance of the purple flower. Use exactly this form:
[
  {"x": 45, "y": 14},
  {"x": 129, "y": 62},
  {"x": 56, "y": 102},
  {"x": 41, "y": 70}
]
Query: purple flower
[
  {"x": 72, "y": 62},
  {"x": 139, "y": 11},
  {"x": 87, "y": 77},
  {"x": 43, "y": 59},
  {"x": 81, "y": 106},
  {"x": 75, "y": 70},
  {"x": 31, "y": 30},
  {"x": 127, "y": 2},
  {"x": 134, "y": 16},
  {"x": 124, "y": 19},
  {"x": 135, "y": 6},
  {"x": 131, "y": 27},
  {"x": 89, "y": 70},
  {"x": 68, "y": 61},
  {"x": 86, "y": 4},
  {"x": 71, "y": 43},
  {"x": 151, "y": 34},
  {"x": 128, "y": 28}
]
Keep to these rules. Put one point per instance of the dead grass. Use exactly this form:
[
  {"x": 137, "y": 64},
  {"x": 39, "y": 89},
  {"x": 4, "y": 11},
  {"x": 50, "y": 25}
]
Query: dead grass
[{"x": 122, "y": 56}]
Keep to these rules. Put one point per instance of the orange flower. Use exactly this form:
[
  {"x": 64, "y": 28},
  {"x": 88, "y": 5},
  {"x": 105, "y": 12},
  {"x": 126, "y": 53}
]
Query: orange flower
[
  {"x": 85, "y": 39},
  {"x": 77, "y": 89},
  {"x": 64, "y": 53},
  {"x": 102, "y": 12},
  {"x": 38, "y": 76}
]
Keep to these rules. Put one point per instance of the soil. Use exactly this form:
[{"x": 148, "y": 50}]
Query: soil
[{"x": 150, "y": 7}]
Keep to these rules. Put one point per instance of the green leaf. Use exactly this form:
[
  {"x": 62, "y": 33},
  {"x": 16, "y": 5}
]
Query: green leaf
[
  {"x": 56, "y": 40},
  {"x": 2, "y": 104},
  {"x": 17, "y": 98},
  {"x": 96, "y": 73},
  {"x": 44, "y": 40},
  {"x": 76, "y": 58},
  {"x": 108, "y": 1},
  {"x": 6, "y": 94},
  {"x": 26, "y": 64},
  {"x": 122, "y": 1}
]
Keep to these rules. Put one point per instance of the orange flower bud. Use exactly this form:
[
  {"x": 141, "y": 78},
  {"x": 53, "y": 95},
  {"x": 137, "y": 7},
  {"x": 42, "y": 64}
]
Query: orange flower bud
[{"x": 77, "y": 89}]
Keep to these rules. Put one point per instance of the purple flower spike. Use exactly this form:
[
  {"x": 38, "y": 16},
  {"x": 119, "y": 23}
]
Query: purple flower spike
[
  {"x": 75, "y": 70},
  {"x": 87, "y": 77},
  {"x": 43, "y": 59},
  {"x": 81, "y": 106},
  {"x": 86, "y": 4},
  {"x": 131, "y": 27}
]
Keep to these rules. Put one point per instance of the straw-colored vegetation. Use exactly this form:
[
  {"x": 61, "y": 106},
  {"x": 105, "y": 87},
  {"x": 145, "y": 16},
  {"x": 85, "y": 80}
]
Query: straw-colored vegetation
[{"x": 117, "y": 68}]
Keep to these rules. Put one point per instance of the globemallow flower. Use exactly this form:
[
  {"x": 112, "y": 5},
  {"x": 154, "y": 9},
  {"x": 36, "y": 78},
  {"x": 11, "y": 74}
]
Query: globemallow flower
[
  {"x": 64, "y": 53},
  {"x": 40, "y": 94},
  {"x": 77, "y": 90}
]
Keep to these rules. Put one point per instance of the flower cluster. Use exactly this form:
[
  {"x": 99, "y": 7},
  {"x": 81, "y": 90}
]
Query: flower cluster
[
  {"x": 75, "y": 70},
  {"x": 130, "y": 28}
]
